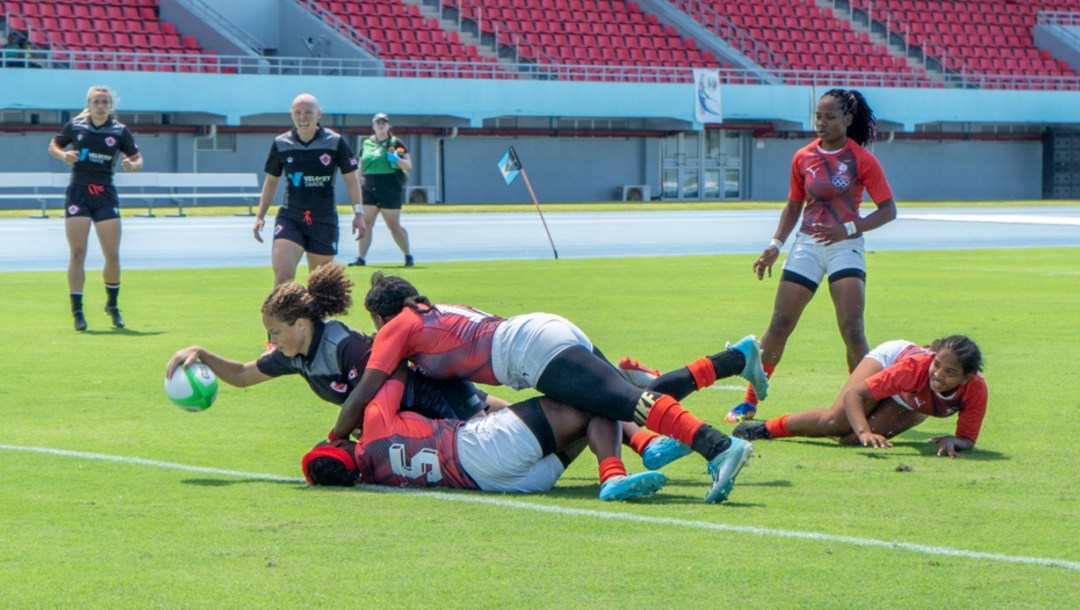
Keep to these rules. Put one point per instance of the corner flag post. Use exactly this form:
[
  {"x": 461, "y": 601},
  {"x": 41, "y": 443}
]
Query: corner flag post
[{"x": 510, "y": 166}]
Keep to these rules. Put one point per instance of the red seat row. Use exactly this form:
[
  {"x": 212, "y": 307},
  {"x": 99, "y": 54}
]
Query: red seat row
[
  {"x": 989, "y": 37},
  {"x": 105, "y": 27}
]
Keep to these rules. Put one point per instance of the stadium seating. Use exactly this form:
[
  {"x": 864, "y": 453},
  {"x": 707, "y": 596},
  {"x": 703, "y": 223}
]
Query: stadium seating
[
  {"x": 802, "y": 36},
  {"x": 106, "y": 34},
  {"x": 413, "y": 44},
  {"x": 795, "y": 38},
  {"x": 600, "y": 33},
  {"x": 991, "y": 37}
]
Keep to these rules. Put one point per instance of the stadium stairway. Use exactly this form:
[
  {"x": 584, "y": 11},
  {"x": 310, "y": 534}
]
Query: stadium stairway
[{"x": 991, "y": 38}]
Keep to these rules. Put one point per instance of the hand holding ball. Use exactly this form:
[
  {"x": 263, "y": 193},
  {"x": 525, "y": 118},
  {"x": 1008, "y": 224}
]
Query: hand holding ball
[{"x": 193, "y": 388}]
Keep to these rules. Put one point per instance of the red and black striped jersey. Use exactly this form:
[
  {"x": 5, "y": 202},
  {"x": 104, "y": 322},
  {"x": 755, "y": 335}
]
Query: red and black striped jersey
[
  {"x": 831, "y": 184},
  {"x": 405, "y": 449},
  {"x": 444, "y": 342}
]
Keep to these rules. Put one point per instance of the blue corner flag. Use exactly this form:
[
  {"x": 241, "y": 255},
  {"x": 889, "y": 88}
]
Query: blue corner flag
[{"x": 509, "y": 165}]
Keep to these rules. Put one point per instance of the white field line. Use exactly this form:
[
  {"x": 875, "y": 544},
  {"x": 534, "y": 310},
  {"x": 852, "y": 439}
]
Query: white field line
[
  {"x": 578, "y": 512},
  {"x": 999, "y": 218}
]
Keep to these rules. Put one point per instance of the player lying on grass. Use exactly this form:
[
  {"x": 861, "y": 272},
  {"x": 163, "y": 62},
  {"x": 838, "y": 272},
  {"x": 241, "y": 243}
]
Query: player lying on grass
[
  {"x": 328, "y": 354},
  {"x": 523, "y": 448},
  {"x": 331, "y": 356},
  {"x": 545, "y": 352},
  {"x": 895, "y": 388}
]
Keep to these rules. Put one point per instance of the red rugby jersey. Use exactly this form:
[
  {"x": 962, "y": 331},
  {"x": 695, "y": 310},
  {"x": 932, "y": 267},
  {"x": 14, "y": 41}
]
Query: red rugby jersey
[
  {"x": 405, "y": 449},
  {"x": 831, "y": 184},
  {"x": 909, "y": 377},
  {"x": 447, "y": 342}
]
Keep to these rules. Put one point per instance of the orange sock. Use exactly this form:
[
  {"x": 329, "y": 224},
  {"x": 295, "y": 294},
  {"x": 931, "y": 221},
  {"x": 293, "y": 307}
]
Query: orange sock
[
  {"x": 669, "y": 418},
  {"x": 703, "y": 371},
  {"x": 777, "y": 426},
  {"x": 642, "y": 439},
  {"x": 751, "y": 397},
  {"x": 611, "y": 467}
]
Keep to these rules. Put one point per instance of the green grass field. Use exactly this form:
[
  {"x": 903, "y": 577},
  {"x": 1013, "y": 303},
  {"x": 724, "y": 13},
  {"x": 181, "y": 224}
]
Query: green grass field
[{"x": 809, "y": 524}]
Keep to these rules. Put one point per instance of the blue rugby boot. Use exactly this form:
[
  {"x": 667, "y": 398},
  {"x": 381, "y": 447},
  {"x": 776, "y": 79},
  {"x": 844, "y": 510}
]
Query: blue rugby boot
[
  {"x": 725, "y": 467},
  {"x": 744, "y": 411},
  {"x": 752, "y": 371},
  {"x": 639, "y": 485},
  {"x": 663, "y": 451}
]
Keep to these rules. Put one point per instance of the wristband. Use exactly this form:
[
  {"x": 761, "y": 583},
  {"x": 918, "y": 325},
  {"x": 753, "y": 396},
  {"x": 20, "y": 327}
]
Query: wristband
[
  {"x": 850, "y": 228},
  {"x": 358, "y": 209},
  {"x": 334, "y": 437},
  {"x": 776, "y": 243}
]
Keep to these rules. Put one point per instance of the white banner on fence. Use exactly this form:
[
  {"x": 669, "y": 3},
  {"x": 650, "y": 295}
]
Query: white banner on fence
[{"x": 707, "y": 96}]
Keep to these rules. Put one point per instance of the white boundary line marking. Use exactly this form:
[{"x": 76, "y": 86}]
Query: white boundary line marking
[
  {"x": 1023, "y": 219},
  {"x": 577, "y": 512}
]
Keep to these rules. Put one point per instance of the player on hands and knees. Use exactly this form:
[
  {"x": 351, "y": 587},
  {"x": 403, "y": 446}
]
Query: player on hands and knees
[
  {"x": 545, "y": 352},
  {"x": 896, "y": 387}
]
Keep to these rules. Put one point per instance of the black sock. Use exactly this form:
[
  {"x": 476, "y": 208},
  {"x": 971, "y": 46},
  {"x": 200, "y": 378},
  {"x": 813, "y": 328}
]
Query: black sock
[
  {"x": 113, "y": 291},
  {"x": 728, "y": 363},
  {"x": 76, "y": 302},
  {"x": 710, "y": 442}
]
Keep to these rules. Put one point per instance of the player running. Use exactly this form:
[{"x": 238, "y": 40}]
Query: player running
[
  {"x": 895, "y": 388},
  {"x": 545, "y": 352}
]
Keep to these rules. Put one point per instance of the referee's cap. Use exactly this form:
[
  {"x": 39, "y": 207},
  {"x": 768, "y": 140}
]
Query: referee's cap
[{"x": 380, "y": 117}]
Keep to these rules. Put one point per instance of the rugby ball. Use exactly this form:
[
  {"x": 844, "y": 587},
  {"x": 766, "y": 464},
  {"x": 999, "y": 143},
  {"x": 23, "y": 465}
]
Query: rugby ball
[{"x": 193, "y": 388}]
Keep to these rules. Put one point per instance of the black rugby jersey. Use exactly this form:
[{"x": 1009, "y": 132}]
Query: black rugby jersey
[
  {"x": 333, "y": 367},
  {"x": 309, "y": 168},
  {"x": 339, "y": 358},
  {"x": 97, "y": 148}
]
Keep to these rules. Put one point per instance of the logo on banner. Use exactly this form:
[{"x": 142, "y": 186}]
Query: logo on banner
[{"x": 707, "y": 96}]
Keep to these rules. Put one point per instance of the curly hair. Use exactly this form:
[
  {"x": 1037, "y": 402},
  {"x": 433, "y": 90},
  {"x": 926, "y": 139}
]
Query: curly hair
[
  {"x": 863, "y": 128},
  {"x": 328, "y": 293},
  {"x": 966, "y": 351},
  {"x": 390, "y": 294}
]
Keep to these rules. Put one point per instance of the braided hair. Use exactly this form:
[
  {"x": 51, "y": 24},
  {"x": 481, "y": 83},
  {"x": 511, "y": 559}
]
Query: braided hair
[
  {"x": 863, "y": 128},
  {"x": 328, "y": 293},
  {"x": 966, "y": 351},
  {"x": 390, "y": 294}
]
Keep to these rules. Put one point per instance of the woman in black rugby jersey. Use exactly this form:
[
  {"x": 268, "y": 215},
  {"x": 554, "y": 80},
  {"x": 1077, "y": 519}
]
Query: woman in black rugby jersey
[
  {"x": 329, "y": 355},
  {"x": 308, "y": 156},
  {"x": 96, "y": 138}
]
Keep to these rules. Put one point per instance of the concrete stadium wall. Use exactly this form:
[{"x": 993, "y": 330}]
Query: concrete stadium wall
[
  {"x": 563, "y": 168},
  {"x": 922, "y": 170}
]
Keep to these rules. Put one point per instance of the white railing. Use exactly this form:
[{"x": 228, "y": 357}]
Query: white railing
[
  {"x": 418, "y": 68},
  {"x": 1066, "y": 18}
]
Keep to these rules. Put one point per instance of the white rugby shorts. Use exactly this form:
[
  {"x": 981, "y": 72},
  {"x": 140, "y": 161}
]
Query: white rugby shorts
[
  {"x": 500, "y": 453},
  {"x": 815, "y": 261},
  {"x": 524, "y": 345}
]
